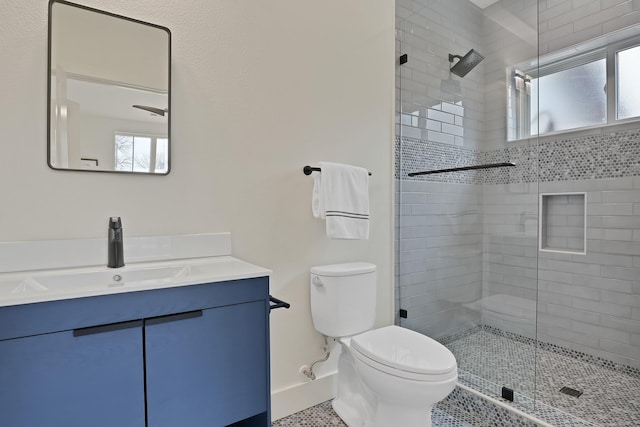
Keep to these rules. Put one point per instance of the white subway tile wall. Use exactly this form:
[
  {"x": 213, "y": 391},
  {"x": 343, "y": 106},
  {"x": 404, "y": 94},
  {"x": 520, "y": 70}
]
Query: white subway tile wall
[
  {"x": 465, "y": 237},
  {"x": 596, "y": 293},
  {"x": 443, "y": 223},
  {"x": 428, "y": 31},
  {"x": 440, "y": 243}
]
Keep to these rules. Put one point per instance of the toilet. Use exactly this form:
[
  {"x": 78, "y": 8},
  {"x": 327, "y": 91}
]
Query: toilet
[{"x": 389, "y": 376}]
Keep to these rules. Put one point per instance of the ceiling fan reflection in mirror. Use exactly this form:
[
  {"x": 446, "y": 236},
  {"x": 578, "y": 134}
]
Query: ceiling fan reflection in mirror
[{"x": 153, "y": 110}]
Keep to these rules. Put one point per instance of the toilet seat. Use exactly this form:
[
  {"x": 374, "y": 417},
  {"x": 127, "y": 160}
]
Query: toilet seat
[{"x": 404, "y": 353}]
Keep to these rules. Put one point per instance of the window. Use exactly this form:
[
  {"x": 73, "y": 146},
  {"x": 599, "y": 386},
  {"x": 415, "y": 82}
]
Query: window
[
  {"x": 569, "y": 99},
  {"x": 628, "y": 85},
  {"x": 141, "y": 153},
  {"x": 571, "y": 90}
]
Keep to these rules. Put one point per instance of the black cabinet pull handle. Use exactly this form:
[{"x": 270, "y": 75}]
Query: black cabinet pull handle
[
  {"x": 278, "y": 303},
  {"x": 173, "y": 317},
  {"x": 80, "y": 332}
]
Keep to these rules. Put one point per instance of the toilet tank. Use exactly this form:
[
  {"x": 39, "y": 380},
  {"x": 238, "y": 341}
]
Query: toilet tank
[{"x": 343, "y": 298}]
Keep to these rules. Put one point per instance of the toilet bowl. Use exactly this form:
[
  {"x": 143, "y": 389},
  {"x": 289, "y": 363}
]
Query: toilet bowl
[
  {"x": 407, "y": 373},
  {"x": 389, "y": 376}
]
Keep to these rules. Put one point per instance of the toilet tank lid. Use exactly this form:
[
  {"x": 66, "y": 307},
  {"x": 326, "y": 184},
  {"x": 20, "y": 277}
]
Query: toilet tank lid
[{"x": 348, "y": 269}]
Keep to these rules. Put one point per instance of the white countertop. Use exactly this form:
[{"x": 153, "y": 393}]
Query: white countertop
[{"x": 29, "y": 287}]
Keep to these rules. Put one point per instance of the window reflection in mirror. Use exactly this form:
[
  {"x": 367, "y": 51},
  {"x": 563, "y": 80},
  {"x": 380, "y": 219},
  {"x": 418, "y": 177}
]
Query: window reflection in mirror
[
  {"x": 141, "y": 153},
  {"x": 109, "y": 79}
]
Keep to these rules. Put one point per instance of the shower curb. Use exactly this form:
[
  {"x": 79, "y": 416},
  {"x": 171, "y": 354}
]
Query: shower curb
[{"x": 501, "y": 413}]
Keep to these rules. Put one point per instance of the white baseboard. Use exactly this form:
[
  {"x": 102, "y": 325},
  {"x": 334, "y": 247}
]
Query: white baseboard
[{"x": 296, "y": 398}]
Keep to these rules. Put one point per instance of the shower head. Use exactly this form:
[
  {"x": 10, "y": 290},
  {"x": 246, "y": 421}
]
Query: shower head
[{"x": 466, "y": 63}]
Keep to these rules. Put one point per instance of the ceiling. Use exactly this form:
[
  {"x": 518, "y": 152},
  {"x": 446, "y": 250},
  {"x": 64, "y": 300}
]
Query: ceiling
[{"x": 113, "y": 101}]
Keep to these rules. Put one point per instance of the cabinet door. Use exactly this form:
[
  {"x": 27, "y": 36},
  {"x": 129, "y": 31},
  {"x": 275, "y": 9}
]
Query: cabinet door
[
  {"x": 207, "y": 368},
  {"x": 89, "y": 377}
]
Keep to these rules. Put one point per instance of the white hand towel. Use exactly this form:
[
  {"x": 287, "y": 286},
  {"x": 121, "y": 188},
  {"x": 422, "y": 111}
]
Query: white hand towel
[{"x": 341, "y": 196}]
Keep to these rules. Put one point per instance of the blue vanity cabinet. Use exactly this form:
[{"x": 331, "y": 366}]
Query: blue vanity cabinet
[
  {"x": 193, "y": 356},
  {"x": 190, "y": 381},
  {"x": 74, "y": 378}
]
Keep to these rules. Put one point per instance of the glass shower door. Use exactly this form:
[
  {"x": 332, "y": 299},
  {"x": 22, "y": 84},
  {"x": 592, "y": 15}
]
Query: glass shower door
[{"x": 466, "y": 240}]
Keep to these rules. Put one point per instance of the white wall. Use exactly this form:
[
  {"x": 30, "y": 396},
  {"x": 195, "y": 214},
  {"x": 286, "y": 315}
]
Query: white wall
[{"x": 259, "y": 90}]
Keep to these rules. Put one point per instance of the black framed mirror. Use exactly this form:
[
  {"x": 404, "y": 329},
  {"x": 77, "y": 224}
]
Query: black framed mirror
[{"x": 109, "y": 98}]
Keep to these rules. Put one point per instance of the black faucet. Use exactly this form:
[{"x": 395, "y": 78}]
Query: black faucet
[{"x": 116, "y": 252}]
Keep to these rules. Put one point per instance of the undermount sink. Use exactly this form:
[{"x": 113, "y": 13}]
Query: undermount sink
[
  {"x": 111, "y": 278},
  {"x": 90, "y": 280},
  {"x": 20, "y": 287}
]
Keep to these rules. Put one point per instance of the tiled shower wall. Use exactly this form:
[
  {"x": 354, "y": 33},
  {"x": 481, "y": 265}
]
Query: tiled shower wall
[
  {"x": 589, "y": 303},
  {"x": 439, "y": 236},
  {"x": 565, "y": 23},
  {"x": 431, "y": 100},
  {"x": 510, "y": 257},
  {"x": 514, "y": 31},
  {"x": 440, "y": 243}
]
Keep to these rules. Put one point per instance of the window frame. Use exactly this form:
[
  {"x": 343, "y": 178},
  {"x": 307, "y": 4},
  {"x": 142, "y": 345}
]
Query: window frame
[
  {"x": 557, "y": 62},
  {"x": 618, "y": 47}
]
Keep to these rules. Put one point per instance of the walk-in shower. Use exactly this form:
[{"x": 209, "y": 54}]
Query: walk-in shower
[{"x": 518, "y": 242}]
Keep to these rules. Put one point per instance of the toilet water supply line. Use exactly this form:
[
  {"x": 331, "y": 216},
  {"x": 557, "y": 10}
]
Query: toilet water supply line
[{"x": 309, "y": 372}]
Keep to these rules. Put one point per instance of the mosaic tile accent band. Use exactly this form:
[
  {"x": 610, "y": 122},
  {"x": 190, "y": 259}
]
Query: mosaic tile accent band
[
  {"x": 611, "y": 155},
  {"x": 418, "y": 155},
  {"x": 608, "y": 155},
  {"x": 525, "y": 157}
]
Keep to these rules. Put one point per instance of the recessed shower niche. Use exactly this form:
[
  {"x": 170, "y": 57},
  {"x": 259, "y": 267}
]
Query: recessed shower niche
[{"x": 563, "y": 222}]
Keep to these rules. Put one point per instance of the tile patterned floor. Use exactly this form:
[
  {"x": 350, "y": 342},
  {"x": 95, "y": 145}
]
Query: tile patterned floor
[
  {"x": 609, "y": 399},
  {"x": 322, "y": 415}
]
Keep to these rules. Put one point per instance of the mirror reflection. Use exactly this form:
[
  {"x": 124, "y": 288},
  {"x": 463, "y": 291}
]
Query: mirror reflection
[{"x": 109, "y": 80}]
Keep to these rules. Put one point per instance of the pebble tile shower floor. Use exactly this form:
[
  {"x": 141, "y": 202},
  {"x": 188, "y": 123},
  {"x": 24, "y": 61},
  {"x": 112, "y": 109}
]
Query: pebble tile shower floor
[
  {"x": 322, "y": 415},
  {"x": 609, "y": 399}
]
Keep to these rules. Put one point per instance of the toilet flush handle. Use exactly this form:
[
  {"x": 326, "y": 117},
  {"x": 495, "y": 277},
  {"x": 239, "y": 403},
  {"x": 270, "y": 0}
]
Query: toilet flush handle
[{"x": 316, "y": 281}]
